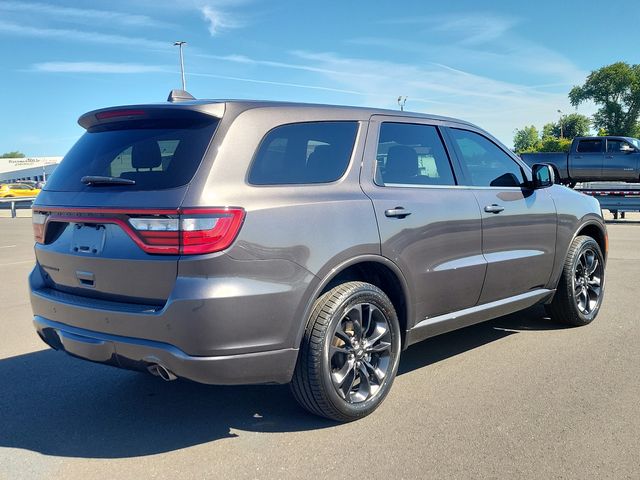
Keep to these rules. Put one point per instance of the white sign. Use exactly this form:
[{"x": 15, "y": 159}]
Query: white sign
[{"x": 13, "y": 164}]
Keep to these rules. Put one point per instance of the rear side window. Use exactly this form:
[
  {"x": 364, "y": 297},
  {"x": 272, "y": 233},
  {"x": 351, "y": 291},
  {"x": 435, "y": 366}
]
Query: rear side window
[
  {"x": 590, "y": 146},
  {"x": 303, "y": 153},
  {"x": 156, "y": 155},
  {"x": 412, "y": 154}
]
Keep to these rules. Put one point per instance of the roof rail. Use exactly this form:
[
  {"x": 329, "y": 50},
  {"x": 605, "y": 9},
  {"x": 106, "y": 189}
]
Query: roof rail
[{"x": 177, "y": 95}]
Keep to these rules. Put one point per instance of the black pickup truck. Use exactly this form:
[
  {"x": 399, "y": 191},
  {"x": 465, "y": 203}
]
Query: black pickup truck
[{"x": 604, "y": 159}]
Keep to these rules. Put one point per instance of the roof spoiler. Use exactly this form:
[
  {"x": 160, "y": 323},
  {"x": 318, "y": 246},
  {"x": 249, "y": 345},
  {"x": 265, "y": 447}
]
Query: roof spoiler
[{"x": 177, "y": 95}]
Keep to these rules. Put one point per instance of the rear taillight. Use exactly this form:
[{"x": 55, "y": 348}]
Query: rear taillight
[
  {"x": 158, "y": 235},
  {"x": 188, "y": 231},
  {"x": 194, "y": 231},
  {"x": 38, "y": 220}
]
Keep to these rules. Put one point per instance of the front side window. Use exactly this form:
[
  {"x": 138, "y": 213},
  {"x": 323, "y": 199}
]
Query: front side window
[
  {"x": 486, "y": 164},
  {"x": 304, "y": 153},
  {"x": 412, "y": 154},
  {"x": 590, "y": 146},
  {"x": 618, "y": 146}
]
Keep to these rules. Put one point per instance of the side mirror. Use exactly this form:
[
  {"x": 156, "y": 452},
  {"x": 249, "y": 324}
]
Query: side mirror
[{"x": 543, "y": 175}]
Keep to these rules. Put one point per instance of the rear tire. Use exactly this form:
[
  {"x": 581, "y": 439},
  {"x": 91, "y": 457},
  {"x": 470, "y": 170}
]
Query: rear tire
[
  {"x": 349, "y": 354},
  {"x": 580, "y": 291}
]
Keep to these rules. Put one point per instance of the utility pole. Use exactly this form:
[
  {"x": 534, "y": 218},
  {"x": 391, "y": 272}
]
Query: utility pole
[
  {"x": 560, "y": 122},
  {"x": 401, "y": 101},
  {"x": 179, "y": 44}
]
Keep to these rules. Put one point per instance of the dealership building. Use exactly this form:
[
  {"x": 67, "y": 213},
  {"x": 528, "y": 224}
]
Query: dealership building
[{"x": 29, "y": 168}]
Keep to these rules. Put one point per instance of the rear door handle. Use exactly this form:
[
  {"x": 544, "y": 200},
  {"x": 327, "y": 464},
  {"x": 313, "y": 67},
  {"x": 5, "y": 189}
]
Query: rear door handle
[
  {"x": 577, "y": 156},
  {"x": 494, "y": 208},
  {"x": 398, "y": 212}
]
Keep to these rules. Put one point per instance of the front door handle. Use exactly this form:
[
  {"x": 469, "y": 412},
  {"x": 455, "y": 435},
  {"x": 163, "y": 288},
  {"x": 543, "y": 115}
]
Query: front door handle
[
  {"x": 494, "y": 208},
  {"x": 398, "y": 212}
]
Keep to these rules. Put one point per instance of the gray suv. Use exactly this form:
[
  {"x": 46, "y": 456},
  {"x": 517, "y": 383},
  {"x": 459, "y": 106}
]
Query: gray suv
[{"x": 234, "y": 242}]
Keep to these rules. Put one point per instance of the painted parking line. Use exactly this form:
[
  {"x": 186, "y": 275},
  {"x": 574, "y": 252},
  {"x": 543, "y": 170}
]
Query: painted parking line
[{"x": 8, "y": 246}]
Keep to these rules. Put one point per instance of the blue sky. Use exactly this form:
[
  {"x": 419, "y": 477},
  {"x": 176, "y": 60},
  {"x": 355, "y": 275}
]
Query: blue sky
[{"x": 500, "y": 64}]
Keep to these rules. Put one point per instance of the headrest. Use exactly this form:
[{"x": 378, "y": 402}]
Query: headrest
[
  {"x": 402, "y": 163},
  {"x": 324, "y": 164},
  {"x": 146, "y": 154}
]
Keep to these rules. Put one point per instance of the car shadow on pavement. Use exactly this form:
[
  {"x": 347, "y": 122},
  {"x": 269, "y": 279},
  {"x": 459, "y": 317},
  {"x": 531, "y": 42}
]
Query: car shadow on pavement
[
  {"x": 55, "y": 405},
  {"x": 453, "y": 343}
]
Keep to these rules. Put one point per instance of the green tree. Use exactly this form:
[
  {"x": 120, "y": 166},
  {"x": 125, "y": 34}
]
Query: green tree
[
  {"x": 549, "y": 129},
  {"x": 552, "y": 144},
  {"x": 14, "y": 154},
  {"x": 573, "y": 125},
  {"x": 525, "y": 139},
  {"x": 602, "y": 132},
  {"x": 616, "y": 89}
]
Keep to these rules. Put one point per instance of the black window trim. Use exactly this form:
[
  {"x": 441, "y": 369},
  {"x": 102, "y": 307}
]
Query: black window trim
[{"x": 359, "y": 124}]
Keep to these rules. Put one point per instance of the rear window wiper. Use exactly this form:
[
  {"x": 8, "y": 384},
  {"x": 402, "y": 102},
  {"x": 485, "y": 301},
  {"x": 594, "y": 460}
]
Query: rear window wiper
[{"x": 100, "y": 180}]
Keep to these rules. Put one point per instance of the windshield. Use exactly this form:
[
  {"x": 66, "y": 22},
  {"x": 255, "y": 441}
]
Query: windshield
[
  {"x": 635, "y": 142},
  {"x": 154, "y": 156}
]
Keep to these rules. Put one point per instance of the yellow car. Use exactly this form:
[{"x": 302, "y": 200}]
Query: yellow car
[{"x": 9, "y": 190}]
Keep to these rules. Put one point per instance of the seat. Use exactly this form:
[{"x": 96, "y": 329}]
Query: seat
[
  {"x": 401, "y": 166},
  {"x": 324, "y": 165}
]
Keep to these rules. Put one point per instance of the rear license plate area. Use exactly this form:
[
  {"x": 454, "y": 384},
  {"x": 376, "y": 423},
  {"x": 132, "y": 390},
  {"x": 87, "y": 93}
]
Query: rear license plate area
[{"x": 88, "y": 239}]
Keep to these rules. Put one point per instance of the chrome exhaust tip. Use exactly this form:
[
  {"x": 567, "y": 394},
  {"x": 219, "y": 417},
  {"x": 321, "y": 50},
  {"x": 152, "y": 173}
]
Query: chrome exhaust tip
[{"x": 160, "y": 371}]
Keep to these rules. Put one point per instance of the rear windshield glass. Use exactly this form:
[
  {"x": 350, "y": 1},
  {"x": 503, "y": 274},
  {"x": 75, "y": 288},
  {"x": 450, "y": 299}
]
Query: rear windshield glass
[
  {"x": 299, "y": 153},
  {"x": 156, "y": 155}
]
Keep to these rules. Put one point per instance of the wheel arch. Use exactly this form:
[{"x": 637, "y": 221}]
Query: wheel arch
[
  {"x": 374, "y": 269},
  {"x": 597, "y": 232}
]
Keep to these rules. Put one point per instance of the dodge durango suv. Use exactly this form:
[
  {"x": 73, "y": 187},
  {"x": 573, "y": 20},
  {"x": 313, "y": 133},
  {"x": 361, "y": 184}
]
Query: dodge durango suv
[{"x": 235, "y": 242}]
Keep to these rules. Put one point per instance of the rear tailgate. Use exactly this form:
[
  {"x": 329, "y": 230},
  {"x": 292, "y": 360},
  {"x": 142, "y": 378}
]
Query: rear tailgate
[{"x": 114, "y": 241}]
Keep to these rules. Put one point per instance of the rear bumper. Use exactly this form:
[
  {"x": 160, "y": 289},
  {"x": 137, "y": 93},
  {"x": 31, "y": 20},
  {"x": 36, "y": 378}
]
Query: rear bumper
[{"x": 275, "y": 366}]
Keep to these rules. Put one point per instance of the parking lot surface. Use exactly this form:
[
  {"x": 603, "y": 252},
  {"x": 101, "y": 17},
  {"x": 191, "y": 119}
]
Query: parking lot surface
[{"x": 517, "y": 397}]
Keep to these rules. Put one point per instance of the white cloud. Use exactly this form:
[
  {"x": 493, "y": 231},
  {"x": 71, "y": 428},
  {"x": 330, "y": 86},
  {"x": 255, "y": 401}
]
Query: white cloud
[
  {"x": 243, "y": 59},
  {"x": 496, "y": 105},
  {"x": 80, "y": 36},
  {"x": 219, "y": 20},
  {"x": 469, "y": 28},
  {"x": 79, "y": 14},
  {"x": 474, "y": 28},
  {"x": 280, "y": 84},
  {"x": 499, "y": 106},
  {"x": 97, "y": 67}
]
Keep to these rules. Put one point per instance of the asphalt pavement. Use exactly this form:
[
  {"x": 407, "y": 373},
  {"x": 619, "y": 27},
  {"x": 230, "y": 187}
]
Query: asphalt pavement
[{"x": 516, "y": 397}]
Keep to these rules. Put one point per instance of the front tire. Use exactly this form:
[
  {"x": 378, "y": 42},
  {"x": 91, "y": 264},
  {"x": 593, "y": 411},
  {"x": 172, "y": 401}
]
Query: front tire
[
  {"x": 580, "y": 291},
  {"x": 349, "y": 354}
]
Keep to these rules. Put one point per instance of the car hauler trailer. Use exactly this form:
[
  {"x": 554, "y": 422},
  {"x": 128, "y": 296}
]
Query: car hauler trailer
[{"x": 618, "y": 198}]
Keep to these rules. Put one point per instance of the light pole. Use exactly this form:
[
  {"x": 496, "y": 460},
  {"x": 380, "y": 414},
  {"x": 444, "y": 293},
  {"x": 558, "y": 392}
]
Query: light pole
[
  {"x": 560, "y": 123},
  {"x": 179, "y": 44},
  {"x": 401, "y": 101}
]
